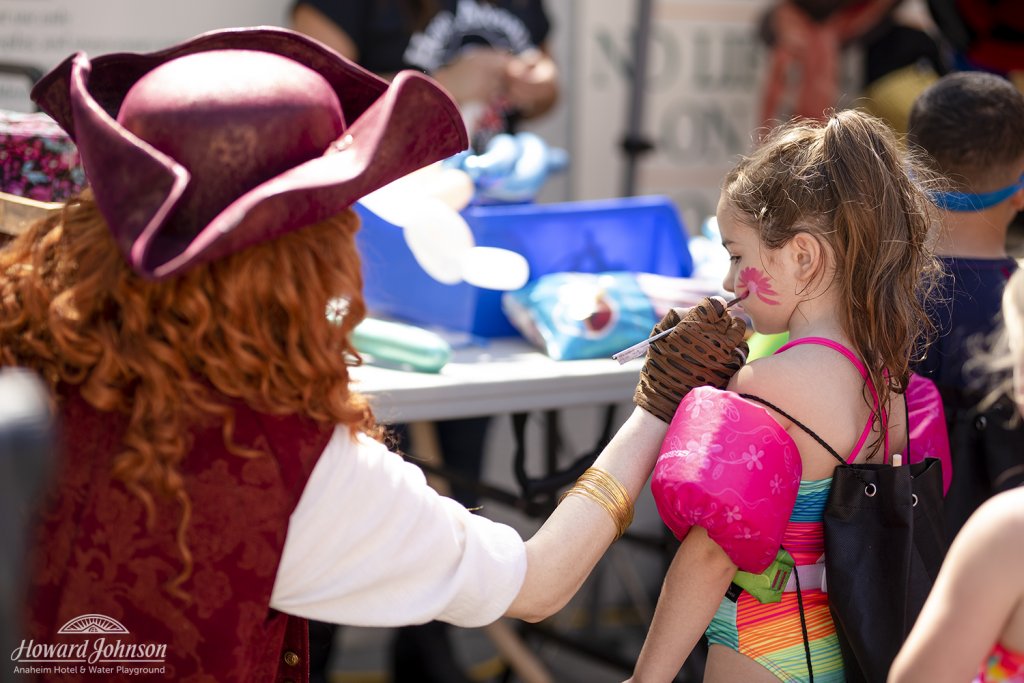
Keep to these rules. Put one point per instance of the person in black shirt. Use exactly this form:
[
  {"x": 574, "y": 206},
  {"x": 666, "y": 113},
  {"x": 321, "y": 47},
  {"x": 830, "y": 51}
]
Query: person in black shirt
[{"x": 491, "y": 56}]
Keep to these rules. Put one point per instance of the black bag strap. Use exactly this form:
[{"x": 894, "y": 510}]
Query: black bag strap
[
  {"x": 803, "y": 625},
  {"x": 798, "y": 423},
  {"x": 906, "y": 424}
]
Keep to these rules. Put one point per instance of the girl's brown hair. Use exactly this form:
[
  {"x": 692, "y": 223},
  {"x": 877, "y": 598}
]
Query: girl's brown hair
[
  {"x": 848, "y": 182},
  {"x": 251, "y": 327}
]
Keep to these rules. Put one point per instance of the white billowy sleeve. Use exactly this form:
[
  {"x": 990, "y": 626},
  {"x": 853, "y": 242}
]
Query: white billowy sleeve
[{"x": 371, "y": 544}]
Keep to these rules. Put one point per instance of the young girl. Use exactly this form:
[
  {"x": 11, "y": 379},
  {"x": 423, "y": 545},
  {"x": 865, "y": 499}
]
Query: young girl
[
  {"x": 826, "y": 232},
  {"x": 974, "y": 616}
]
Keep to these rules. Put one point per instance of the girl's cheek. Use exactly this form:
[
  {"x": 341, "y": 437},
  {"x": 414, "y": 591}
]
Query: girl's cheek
[{"x": 753, "y": 282}]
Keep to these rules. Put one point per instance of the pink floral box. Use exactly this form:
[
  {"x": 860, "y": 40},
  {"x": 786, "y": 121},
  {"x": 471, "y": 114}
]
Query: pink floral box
[{"x": 37, "y": 158}]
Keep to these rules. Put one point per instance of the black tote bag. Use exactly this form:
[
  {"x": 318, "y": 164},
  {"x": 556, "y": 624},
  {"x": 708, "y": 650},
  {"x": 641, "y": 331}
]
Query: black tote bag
[{"x": 884, "y": 544}]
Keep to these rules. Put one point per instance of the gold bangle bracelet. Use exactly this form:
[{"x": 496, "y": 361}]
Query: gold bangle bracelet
[{"x": 605, "y": 490}]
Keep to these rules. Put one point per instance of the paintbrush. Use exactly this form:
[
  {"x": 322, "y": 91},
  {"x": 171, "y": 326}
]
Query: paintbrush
[{"x": 640, "y": 348}]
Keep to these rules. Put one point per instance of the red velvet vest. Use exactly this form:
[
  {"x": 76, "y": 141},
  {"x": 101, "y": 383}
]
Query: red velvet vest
[{"x": 95, "y": 556}]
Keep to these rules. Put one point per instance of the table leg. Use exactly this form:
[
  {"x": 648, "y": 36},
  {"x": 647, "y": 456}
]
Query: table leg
[
  {"x": 514, "y": 651},
  {"x": 427, "y": 447},
  {"x": 509, "y": 644}
]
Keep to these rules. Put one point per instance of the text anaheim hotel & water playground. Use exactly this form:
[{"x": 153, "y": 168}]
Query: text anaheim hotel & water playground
[{"x": 102, "y": 651}]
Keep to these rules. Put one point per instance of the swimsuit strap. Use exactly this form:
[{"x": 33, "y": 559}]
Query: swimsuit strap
[
  {"x": 832, "y": 344},
  {"x": 798, "y": 423},
  {"x": 862, "y": 369}
]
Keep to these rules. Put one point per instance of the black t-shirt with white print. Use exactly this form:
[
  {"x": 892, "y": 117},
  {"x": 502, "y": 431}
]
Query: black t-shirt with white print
[{"x": 383, "y": 33}]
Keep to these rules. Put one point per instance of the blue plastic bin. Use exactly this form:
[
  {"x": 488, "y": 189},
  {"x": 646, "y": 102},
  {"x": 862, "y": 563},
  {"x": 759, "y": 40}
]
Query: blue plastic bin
[{"x": 639, "y": 234}]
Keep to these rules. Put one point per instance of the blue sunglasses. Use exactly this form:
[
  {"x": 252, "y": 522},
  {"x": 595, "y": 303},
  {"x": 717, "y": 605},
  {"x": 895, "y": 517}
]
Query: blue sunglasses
[{"x": 965, "y": 201}]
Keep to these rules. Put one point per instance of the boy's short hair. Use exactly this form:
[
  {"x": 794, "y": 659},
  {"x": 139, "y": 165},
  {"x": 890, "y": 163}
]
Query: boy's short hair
[{"x": 971, "y": 124}]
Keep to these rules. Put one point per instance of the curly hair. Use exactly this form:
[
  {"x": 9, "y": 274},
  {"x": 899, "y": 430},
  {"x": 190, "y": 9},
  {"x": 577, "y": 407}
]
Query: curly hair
[
  {"x": 251, "y": 327},
  {"x": 847, "y": 182}
]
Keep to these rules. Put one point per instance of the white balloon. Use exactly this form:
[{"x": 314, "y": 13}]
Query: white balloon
[
  {"x": 392, "y": 207},
  {"x": 396, "y": 202},
  {"x": 415, "y": 181},
  {"x": 494, "y": 268},
  {"x": 453, "y": 187},
  {"x": 439, "y": 238}
]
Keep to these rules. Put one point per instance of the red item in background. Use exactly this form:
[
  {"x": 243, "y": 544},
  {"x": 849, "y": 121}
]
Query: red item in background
[
  {"x": 37, "y": 158},
  {"x": 996, "y": 34}
]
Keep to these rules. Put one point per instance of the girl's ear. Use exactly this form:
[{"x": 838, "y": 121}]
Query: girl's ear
[{"x": 807, "y": 256}]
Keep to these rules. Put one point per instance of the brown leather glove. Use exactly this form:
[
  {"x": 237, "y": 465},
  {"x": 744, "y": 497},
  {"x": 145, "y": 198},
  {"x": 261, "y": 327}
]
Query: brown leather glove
[{"x": 705, "y": 347}]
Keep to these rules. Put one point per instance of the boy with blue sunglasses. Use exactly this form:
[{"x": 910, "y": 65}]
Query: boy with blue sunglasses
[{"x": 971, "y": 124}]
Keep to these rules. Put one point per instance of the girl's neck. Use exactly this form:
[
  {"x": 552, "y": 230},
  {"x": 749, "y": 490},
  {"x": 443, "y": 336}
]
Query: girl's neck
[
  {"x": 833, "y": 332},
  {"x": 818, "y": 318}
]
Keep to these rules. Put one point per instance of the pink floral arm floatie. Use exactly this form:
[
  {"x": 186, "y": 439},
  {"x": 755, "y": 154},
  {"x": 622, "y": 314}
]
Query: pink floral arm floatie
[{"x": 728, "y": 466}]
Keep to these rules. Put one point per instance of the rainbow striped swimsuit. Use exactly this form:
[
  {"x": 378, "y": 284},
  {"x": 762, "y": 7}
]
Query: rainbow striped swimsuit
[
  {"x": 1002, "y": 666},
  {"x": 770, "y": 634}
]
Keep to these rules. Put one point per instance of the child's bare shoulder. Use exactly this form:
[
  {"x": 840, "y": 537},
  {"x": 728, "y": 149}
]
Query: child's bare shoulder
[
  {"x": 993, "y": 532},
  {"x": 803, "y": 381},
  {"x": 769, "y": 375},
  {"x": 1003, "y": 515}
]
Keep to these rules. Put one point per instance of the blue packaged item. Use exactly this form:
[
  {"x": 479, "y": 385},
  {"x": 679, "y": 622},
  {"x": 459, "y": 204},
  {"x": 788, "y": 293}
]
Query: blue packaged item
[
  {"x": 572, "y": 316},
  {"x": 631, "y": 234}
]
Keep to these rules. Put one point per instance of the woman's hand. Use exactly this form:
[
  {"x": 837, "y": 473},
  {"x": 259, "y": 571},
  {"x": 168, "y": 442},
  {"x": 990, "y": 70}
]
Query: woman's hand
[
  {"x": 705, "y": 347},
  {"x": 532, "y": 83}
]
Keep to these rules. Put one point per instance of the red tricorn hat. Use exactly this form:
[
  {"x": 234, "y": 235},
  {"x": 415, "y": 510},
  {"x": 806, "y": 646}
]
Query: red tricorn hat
[{"x": 239, "y": 136}]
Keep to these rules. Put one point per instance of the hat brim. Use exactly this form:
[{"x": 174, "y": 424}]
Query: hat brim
[{"x": 393, "y": 130}]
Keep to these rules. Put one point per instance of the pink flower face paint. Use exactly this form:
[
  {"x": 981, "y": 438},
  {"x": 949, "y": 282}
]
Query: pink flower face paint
[{"x": 758, "y": 283}]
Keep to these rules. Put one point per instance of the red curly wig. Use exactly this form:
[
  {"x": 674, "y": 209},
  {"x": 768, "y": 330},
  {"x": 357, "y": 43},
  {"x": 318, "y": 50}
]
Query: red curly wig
[{"x": 252, "y": 327}]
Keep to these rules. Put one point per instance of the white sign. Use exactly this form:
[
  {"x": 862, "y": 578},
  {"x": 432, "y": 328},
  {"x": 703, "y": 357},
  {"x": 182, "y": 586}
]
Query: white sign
[
  {"x": 41, "y": 33},
  {"x": 705, "y": 68}
]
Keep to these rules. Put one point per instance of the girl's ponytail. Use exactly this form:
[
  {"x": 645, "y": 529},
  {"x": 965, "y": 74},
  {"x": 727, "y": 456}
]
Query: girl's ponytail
[{"x": 882, "y": 221}]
